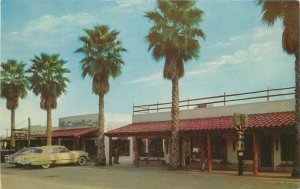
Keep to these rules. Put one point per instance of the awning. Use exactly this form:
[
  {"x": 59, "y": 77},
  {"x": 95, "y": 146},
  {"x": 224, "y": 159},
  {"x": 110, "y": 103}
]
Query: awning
[
  {"x": 70, "y": 132},
  {"x": 268, "y": 120}
]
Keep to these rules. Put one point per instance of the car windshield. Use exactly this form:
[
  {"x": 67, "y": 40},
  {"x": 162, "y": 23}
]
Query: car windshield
[{"x": 24, "y": 151}]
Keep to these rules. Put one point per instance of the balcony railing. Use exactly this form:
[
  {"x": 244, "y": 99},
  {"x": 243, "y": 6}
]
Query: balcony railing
[{"x": 220, "y": 100}]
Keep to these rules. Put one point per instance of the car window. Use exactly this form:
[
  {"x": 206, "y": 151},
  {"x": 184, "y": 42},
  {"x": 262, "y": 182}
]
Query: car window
[
  {"x": 63, "y": 149},
  {"x": 24, "y": 151},
  {"x": 37, "y": 150},
  {"x": 54, "y": 150}
]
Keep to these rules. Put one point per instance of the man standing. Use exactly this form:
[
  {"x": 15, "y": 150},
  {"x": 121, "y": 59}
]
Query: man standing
[{"x": 116, "y": 155}]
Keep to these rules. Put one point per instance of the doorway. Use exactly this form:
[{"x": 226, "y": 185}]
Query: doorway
[{"x": 266, "y": 147}]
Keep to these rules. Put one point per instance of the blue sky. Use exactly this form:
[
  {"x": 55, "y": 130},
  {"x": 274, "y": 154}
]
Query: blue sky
[{"x": 239, "y": 54}]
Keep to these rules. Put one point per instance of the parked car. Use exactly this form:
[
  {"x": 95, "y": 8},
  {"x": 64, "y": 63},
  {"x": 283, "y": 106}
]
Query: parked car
[
  {"x": 4, "y": 153},
  {"x": 45, "y": 156}
]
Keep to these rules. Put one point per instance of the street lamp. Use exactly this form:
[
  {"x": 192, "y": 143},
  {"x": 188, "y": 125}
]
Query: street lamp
[{"x": 240, "y": 124}]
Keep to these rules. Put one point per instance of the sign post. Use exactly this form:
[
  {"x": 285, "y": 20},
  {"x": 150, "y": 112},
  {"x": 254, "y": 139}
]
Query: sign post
[{"x": 240, "y": 124}]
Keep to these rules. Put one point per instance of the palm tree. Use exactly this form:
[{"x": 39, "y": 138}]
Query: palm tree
[
  {"x": 14, "y": 85},
  {"x": 102, "y": 51},
  {"x": 48, "y": 80},
  {"x": 288, "y": 13},
  {"x": 174, "y": 36}
]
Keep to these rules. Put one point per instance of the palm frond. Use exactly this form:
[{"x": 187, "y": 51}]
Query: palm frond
[
  {"x": 174, "y": 34},
  {"x": 48, "y": 78},
  {"x": 102, "y": 51},
  {"x": 14, "y": 82}
]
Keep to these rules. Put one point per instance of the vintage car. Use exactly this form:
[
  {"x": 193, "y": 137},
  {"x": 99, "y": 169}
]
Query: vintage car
[{"x": 45, "y": 156}]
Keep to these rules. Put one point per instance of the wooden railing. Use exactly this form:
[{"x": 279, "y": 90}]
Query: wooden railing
[{"x": 221, "y": 100}]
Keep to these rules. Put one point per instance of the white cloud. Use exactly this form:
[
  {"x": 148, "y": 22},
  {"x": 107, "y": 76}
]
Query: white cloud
[
  {"x": 253, "y": 54},
  {"x": 152, "y": 78},
  {"x": 47, "y": 28},
  {"x": 131, "y": 5},
  {"x": 47, "y": 33},
  {"x": 230, "y": 42},
  {"x": 257, "y": 46},
  {"x": 53, "y": 24},
  {"x": 127, "y": 3},
  {"x": 257, "y": 34}
]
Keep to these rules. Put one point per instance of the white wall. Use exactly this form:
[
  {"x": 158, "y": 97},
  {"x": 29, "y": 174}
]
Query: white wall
[
  {"x": 277, "y": 153},
  {"x": 122, "y": 159},
  {"x": 251, "y": 108},
  {"x": 231, "y": 154}
]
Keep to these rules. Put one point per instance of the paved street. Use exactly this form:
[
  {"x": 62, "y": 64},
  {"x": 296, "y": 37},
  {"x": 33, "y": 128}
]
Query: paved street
[{"x": 128, "y": 177}]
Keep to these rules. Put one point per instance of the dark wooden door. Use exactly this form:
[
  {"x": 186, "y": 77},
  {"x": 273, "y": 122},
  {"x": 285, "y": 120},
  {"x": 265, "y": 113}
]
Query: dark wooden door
[{"x": 266, "y": 151}]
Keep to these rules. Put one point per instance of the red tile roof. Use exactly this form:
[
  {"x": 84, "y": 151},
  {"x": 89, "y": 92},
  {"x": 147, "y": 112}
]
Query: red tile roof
[
  {"x": 268, "y": 120},
  {"x": 70, "y": 132}
]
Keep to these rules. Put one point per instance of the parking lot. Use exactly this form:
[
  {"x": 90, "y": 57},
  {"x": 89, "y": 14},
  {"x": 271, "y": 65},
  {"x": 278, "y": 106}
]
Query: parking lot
[{"x": 127, "y": 176}]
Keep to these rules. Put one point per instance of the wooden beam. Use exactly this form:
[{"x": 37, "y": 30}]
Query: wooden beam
[
  {"x": 209, "y": 155},
  {"x": 255, "y": 154},
  {"x": 110, "y": 151}
]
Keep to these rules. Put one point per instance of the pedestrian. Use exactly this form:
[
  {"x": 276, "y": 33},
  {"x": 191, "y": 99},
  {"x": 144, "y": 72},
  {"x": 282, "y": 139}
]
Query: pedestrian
[
  {"x": 116, "y": 155},
  {"x": 202, "y": 157}
]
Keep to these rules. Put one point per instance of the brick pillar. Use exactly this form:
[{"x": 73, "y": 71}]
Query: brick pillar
[
  {"x": 255, "y": 154},
  {"x": 209, "y": 155},
  {"x": 78, "y": 143}
]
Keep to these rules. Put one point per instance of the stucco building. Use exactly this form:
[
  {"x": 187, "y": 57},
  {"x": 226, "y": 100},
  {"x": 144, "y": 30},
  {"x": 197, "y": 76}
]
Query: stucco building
[{"x": 207, "y": 125}]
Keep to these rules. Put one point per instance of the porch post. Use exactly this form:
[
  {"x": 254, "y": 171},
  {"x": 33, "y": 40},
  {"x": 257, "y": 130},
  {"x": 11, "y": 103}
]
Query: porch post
[
  {"x": 77, "y": 143},
  {"x": 136, "y": 161},
  {"x": 255, "y": 154},
  {"x": 209, "y": 156},
  {"x": 110, "y": 151}
]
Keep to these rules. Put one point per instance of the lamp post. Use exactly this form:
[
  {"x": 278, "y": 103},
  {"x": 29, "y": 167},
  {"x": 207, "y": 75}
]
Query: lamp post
[{"x": 240, "y": 124}]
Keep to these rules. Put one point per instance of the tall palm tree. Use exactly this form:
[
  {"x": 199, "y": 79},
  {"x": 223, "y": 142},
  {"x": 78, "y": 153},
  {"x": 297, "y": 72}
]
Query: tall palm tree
[
  {"x": 14, "y": 85},
  {"x": 174, "y": 36},
  {"x": 288, "y": 13},
  {"x": 49, "y": 81},
  {"x": 102, "y": 51}
]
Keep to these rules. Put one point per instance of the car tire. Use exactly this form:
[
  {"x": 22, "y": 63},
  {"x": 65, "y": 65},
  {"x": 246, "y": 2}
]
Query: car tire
[
  {"x": 18, "y": 165},
  {"x": 82, "y": 161},
  {"x": 46, "y": 165}
]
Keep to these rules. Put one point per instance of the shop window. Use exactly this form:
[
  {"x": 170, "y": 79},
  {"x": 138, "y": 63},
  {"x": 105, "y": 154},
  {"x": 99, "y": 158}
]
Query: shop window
[
  {"x": 199, "y": 148},
  {"x": 156, "y": 147},
  {"x": 152, "y": 147},
  {"x": 248, "y": 142},
  {"x": 287, "y": 146},
  {"x": 143, "y": 147},
  {"x": 123, "y": 145},
  {"x": 218, "y": 147}
]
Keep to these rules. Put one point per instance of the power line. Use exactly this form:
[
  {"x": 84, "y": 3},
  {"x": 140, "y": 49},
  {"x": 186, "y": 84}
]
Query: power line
[{"x": 21, "y": 122}]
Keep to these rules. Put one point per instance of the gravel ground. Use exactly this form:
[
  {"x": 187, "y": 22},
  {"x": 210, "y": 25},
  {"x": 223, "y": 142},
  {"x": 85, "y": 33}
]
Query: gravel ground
[{"x": 129, "y": 177}]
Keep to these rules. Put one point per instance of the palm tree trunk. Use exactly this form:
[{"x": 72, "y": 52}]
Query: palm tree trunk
[
  {"x": 101, "y": 160},
  {"x": 12, "y": 129},
  {"x": 174, "y": 151},
  {"x": 296, "y": 167},
  {"x": 49, "y": 127}
]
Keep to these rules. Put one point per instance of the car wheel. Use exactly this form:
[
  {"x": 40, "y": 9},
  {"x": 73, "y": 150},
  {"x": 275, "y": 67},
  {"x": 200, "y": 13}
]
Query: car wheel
[
  {"x": 46, "y": 165},
  {"x": 18, "y": 165},
  {"x": 82, "y": 161}
]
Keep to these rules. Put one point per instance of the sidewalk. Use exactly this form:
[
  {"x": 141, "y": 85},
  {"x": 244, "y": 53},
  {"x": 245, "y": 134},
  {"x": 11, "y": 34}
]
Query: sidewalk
[{"x": 285, "y": 177}]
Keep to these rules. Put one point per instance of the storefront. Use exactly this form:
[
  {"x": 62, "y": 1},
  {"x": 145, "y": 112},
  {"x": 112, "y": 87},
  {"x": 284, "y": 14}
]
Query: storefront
[{"x": 269, "y": 135}]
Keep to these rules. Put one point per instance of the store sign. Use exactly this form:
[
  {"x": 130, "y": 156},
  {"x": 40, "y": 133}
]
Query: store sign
[{"x": 21, "y": 135}]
